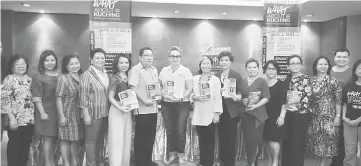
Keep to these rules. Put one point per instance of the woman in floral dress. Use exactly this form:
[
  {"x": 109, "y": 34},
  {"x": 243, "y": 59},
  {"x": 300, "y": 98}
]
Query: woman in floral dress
[
  {"x": 67, "y": 100},
  {"x": 20, "y": 111},
  {"x": 298, "y": 113},
  {"x": 326, "y": 115}
]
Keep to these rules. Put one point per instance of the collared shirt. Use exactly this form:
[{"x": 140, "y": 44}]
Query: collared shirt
[
  {"x": 183, "y": 73},
  {"x": 224, "y": 75},
  {"x": 140, "y": 77},
  {"x": 103, "y": 75},
  {"x": 204, "y": 112},
  {"x": 94, "y": 94}
]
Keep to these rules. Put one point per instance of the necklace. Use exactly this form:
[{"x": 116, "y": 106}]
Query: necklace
[{"x": 200, "y": 80}]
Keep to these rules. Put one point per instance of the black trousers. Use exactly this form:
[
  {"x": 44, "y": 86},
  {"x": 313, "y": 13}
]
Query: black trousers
[
  {"x": 227, "y": 132},
  {"x": 19, "y": 145},
  {"x": 294, "y": 147},
  {"x": 206, "y": 137},
  {"x": 338, "y": 160},
  {"x": 145, "y": 130}
]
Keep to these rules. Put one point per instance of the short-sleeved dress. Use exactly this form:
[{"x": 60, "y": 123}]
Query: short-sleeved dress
[
  {"x": 43, "y": 88},
  {"x": 278, "y": 95},
  {"x": 68, "y": 89},
  {"x": 323, "y": 136}
]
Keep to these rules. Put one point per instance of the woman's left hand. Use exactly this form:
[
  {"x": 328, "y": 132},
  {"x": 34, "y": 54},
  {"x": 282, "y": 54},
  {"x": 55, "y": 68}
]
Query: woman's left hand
[{"x": 337, "y": 121}]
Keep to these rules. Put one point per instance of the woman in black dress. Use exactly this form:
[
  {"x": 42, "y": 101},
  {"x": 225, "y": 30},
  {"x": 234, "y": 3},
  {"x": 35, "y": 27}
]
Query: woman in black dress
[{"x": 274, "y": 131}]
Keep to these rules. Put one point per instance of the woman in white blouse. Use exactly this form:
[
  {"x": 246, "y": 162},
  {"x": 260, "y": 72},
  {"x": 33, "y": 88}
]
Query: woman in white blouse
[{"x": 207, "y": 108}]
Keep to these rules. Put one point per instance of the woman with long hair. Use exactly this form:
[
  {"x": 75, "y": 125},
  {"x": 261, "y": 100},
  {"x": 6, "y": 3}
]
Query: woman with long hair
[
  {"x": 326, "y": 115},
  {"x": 43, "y": 88},
  {"x": 120, "y": 117}
]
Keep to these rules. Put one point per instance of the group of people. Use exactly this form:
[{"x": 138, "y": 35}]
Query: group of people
[{"x": 76, "y": 105}]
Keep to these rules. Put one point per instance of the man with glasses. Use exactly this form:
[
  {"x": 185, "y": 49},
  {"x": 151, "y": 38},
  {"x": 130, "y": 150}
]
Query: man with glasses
[{"x": 143, "y": 78}]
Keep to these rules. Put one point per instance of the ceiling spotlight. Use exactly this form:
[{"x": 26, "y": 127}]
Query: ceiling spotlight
[
  {"x": 309, "y": 15},
  {"x": 176, "y": 11},
  {"x": 224, "y": 13},
  {"x": 42, "y": 11},
  {"x": 25, "y": 4}
]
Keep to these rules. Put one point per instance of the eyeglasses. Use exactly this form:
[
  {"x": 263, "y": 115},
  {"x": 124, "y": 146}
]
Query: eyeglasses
[
  {"x": 271, "y": 69},
  {"x": 175, "y": 56},
  {"x": 295, "y": 64}
]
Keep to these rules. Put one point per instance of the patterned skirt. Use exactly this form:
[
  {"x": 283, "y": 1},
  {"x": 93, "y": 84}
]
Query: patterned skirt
[{"x": 324, "y": 137}]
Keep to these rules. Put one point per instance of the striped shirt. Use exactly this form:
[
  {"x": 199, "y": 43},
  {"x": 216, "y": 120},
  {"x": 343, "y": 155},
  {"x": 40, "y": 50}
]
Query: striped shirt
[{"x": 93, "y": 94}]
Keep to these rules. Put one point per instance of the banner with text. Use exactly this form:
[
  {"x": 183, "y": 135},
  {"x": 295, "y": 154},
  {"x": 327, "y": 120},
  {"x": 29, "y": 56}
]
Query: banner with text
[
  {"x": 110, "y": 28},
  {"x": 281, "y": 31}
]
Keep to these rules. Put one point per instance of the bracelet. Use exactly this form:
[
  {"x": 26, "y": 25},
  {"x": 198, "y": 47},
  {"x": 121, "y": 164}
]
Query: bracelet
[{"x": 282, "y": 116}]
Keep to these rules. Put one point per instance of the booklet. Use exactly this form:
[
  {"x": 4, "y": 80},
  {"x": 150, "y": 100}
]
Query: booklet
[
  {"x": 205, "y": 90},
  {"x": 293, "y": 98},
  {"x": 230, "y": 86},
  {"x": 175, "y": 87},
  {"x": 153, "y": 91},
  {"x": 253, "y": 98},
  {"x": 129, "y": 100}
]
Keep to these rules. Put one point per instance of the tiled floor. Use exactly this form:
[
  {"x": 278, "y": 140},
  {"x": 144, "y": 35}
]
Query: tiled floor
[{"x": 238, "y": 163}]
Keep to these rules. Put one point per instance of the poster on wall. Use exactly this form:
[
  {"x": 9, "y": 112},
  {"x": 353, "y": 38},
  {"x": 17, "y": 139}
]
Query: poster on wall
[
  {"x": 110, "y": 28},
  {"x": 213, "y": 52},
  {"x": 281, "y": 31}
]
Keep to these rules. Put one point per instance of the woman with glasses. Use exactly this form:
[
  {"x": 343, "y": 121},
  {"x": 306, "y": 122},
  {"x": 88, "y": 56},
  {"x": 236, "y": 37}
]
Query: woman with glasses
[
  {"x": 207, "y": 102},
  {"x": 20, "y": 111},
  {"x": 177, "y": 85},
  {"x": 298, "y": 116},
  {"x": 324, "y": 128},
  {"x": 274, "y": 130},
  {"x": 43, "y": 88},
  {"x": 256, "y": 95}
]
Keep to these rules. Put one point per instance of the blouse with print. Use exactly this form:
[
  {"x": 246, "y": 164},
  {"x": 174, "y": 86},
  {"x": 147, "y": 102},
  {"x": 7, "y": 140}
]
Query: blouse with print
[
  {"x": 302, "y": 84},
  {"x": 20, "y": 99},
  {"x": 118, "y": 84}
]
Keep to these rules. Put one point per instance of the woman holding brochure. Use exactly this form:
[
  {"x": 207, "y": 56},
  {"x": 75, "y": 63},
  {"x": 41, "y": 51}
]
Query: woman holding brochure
[
  {"x": 298, "y": 111},
  {"x": 120, "y": 117},
  {"x": 253, "y": 120},
  {"x": 177, "y": 85},
  {"x": 207, "y": 108},
  {"x": 232, "y": 88}
]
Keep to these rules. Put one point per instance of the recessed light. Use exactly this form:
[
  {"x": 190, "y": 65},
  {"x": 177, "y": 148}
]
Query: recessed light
[
  {"x": 25, "y": 4},
  {"x": 309, "y": 15},
  {"x": 176, "y": 11},
  {"x": 304, "y": 21},
  {"x": 224, "y": 13},
  {"x": 42, "y": 11}
]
